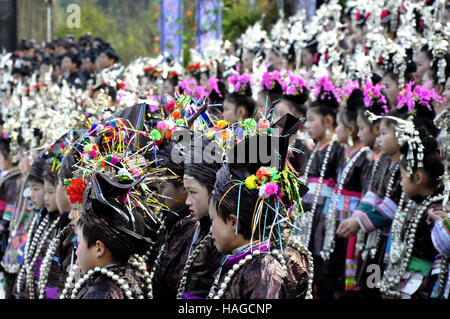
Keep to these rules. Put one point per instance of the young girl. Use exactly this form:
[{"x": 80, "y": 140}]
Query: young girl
[
  {"x": 47, "y": 226},
  {"x": 16, "y": 216},
  {"x": 239, "y": 104},
  {"x": 321, "y": 169},
  {"x": 202, "y": 258},
  {"x": 411, "y": 249},
  {"x": 59, "y": 257},
  {"x": 271, "y": 92},
  {"x": 310, "y": 56},
  {"x": 242, "y": 225},
  {"x": 338, "y": 253},
  {"x": 108, "y": 245},
  {"x": 165, "y": 272},
  {"x": 390, "y": 82},
  {"x": 423, "y": 60},
  {"x": 36, "y": 184},
  {"x": 376, "y": 209},
  {"x": 166, "y": 267},
  {"x": 32, "y": 204},
  {"x": 295, "y": 96},
  {"x": 437, "y": 83}
]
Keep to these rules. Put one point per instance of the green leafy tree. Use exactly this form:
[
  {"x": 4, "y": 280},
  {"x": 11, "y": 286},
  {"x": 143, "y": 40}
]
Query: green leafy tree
[
  {"x": 129, "y": 26},
  {"x": 237, "y": 16}
]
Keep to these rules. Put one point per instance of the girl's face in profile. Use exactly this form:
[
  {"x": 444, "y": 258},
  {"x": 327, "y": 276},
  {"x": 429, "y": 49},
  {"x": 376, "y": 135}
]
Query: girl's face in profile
[
  {"x": 223, "y": 232},
  {"x": 388, "y": 142},
  {"x": 197, "y": 199}
]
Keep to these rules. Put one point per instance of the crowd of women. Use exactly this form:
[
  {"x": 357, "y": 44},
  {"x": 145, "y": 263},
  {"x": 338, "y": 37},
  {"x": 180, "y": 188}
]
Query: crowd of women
[{"x": 307, "y": 161}]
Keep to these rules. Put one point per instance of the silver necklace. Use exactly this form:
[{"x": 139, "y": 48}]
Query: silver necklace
[
  {"x": 30, "y": 267},
  {"x": 374, "y": 237},
  {"x": 214, "y": 294},
  {"x": 443, "y": 275},
  {"x": 331, "y": 216},
  {"x": 47, "y": 261},
  {"x": 189, "y": 261},
  {"x": 360, "y": 238},
  {"x": 401, "y": 248},
  {"x": 30, "y": 248},
  {"x": 308, "y": 217},
  {"x": 135, "y": 261}
]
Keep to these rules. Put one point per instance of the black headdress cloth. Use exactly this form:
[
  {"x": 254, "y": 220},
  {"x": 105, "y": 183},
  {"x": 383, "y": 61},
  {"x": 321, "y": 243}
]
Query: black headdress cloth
[{"x": 105, "y": 213}]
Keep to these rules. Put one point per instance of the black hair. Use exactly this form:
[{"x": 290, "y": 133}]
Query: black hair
[
  {"x": 291, "y": 54},
  {"x": 73, "y": 57},
  {"x": 5, "y": 149},
  {"x": 37, "y": 170},
  {"x": 398, "y": 113},
  {"x": 205, "y": 171},
  {"x": 50, "y": 45},
  {"x": 424, "y": 120},
  {"x": 423, "y": 117},
  {"x": 63, "y": 43},
  {"x": 214, "y": 97},
  {"x": 101, "y": 40},
  {"x": 85, "y": 39},
  {"x": 296, "y": 108},
  {"x": 67, "y": 167},
  {"x": 418, "y": 20},
  {"x": 356, "y": 100},
  {"x": 326, "y": 107},
  {"x": 48, "y": 60},
  {"x": 231, "y": 193},
  {"x": 246, "y": 101},
  {"x": 349, "y": 113},
  {"x": 49, "y": 174},
  {"x": 311, "y": 46},
  {"x": 223, "y": 189},
  {"x": 120, "y": 251},
  {"x": 432, "y": 163},
  {"x": 109, "y": 90},
  {"x": 197, "y": 73},
  {"x": 23, "y": 70},
  {"x": 375, "y": 78},
  {"x": 434, "y": 69},
  {"x": 111, "y": 54},
  {"x": 296, "y": 103}
]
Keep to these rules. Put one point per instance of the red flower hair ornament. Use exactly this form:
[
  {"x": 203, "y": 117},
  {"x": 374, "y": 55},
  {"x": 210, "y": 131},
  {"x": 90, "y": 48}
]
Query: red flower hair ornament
[{"x": 75, "y": 189}]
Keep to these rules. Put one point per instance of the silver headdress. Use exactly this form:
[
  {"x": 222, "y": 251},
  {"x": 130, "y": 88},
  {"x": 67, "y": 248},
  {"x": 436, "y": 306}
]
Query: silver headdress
[{"x": 405, "y": 132}]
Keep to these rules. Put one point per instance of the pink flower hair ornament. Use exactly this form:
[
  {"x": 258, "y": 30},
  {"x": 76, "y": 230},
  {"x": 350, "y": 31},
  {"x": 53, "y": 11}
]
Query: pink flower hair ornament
[
  {"x": 296, "y": 85},
  {"x": 213, "y": 85},
  {"x": 270, "y": 80},
  {"x": 325, "y": 89},
  {"x": 373, "y": 96},
  {"x": 240, "y": 83},
  {"x": 347, "y": 89},
  {"x": 414, "y": 97}
]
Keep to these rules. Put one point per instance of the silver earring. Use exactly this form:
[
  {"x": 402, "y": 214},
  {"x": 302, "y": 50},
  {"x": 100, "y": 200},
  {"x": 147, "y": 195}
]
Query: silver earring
[
  {"x": 350, "y": 141},
  {"x": 327, "y": 133}
]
